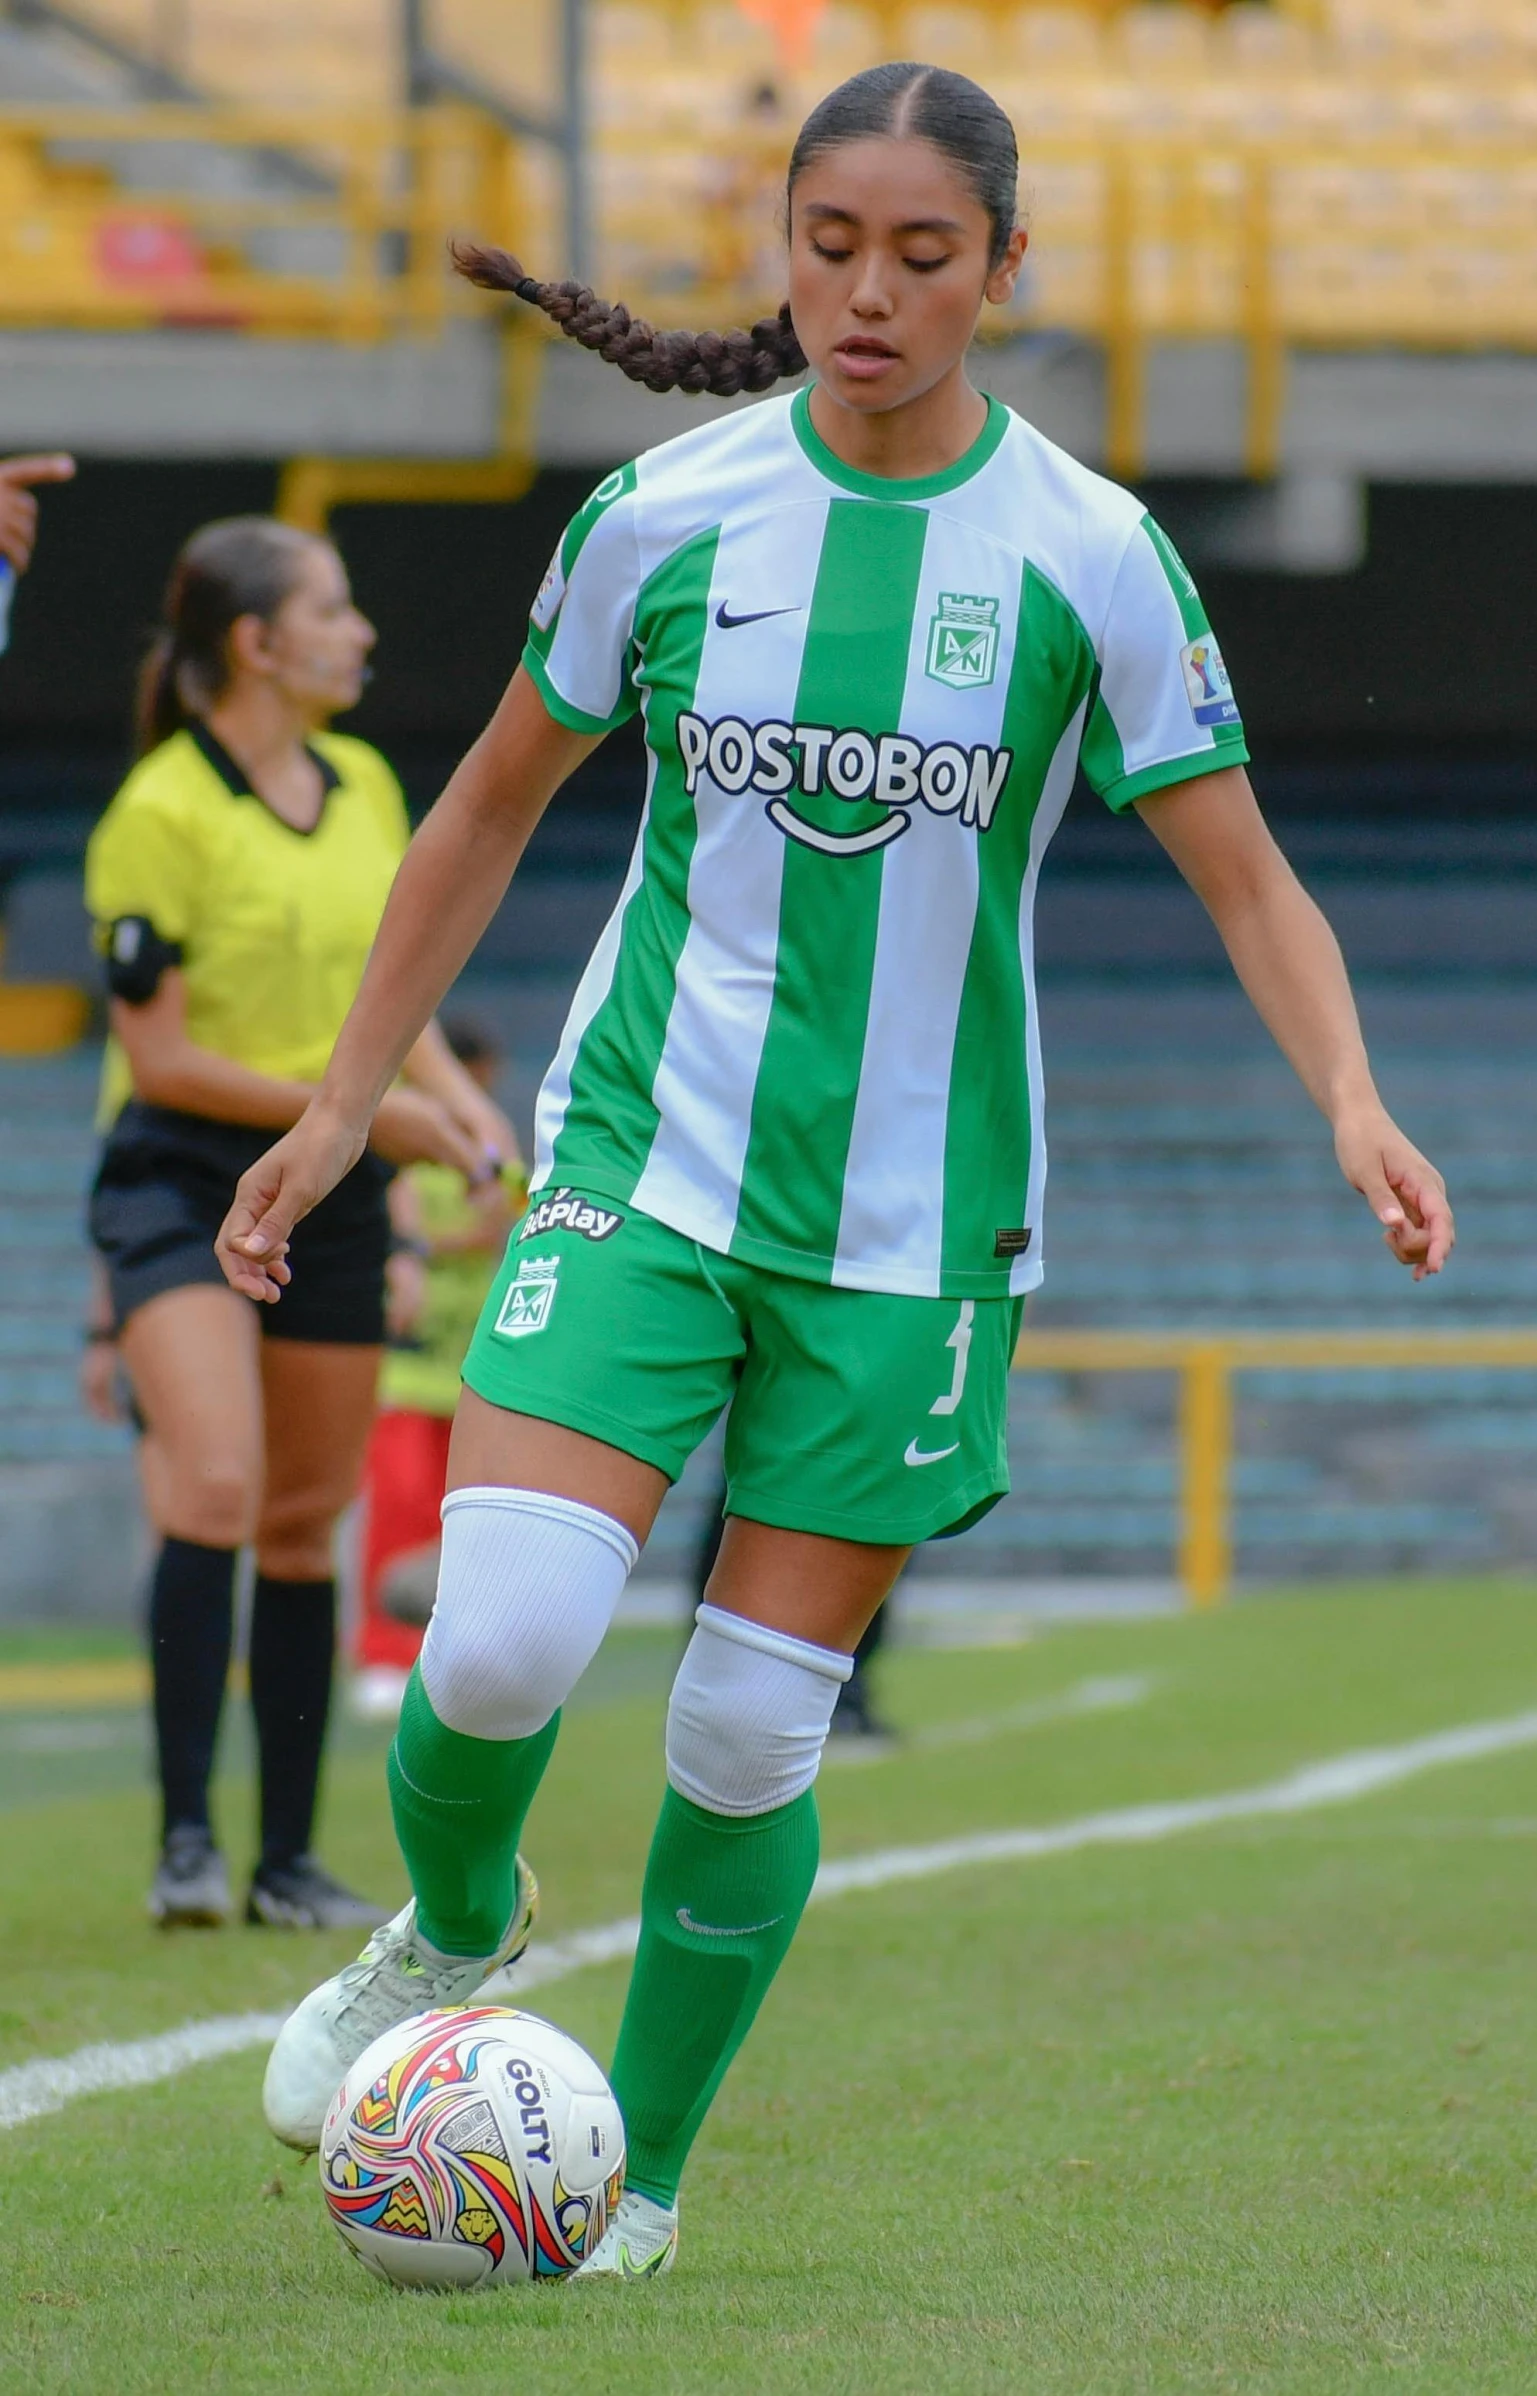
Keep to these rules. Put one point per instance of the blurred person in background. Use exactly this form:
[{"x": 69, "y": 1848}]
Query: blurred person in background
[
  {"x": 741, "y": 185},
  {"x": 237, "y": 880},
  {"x": 18, "y": 520},
  {"x": 448, "y": 1242}
]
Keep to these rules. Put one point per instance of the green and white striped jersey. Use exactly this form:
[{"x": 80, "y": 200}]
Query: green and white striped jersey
[{"x": 808, "y": 1036}]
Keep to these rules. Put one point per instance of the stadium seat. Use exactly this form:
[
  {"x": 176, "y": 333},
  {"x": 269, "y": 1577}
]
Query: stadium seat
[
  {"x": 1056, "y": 41},
  {"x": 1163, "y": 41},
  {"x": 847, "y": 40},
  {"x": 1252, "y": 40}
]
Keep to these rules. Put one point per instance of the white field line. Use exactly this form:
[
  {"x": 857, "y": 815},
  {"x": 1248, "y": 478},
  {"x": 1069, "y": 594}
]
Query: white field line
[
  {"x": 1104, "y": 1695},
  {"x": 28, "y": 2090}
]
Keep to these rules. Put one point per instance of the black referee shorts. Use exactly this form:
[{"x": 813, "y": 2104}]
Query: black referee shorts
[{"x": 163, "y": 1188}]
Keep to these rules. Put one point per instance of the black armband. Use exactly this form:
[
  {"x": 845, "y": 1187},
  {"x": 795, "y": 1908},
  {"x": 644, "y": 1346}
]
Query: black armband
[
  {"x": 137, "y": 957},
  {"x": 403, "y": 1244}
]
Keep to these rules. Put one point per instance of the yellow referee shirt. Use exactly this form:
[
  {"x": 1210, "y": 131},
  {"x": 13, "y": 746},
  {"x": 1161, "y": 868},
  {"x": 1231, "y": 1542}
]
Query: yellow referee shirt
[{"x": 274, "y": 926}]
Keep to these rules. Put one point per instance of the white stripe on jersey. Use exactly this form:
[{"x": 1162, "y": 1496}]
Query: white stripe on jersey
[
  {"x": 593, "y": 988},
  {"x": 724, "y": 992}
]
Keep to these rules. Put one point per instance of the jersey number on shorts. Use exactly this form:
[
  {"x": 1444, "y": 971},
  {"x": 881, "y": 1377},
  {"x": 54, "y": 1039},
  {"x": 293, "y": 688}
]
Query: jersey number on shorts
[{"x": 960, "y": 1341}]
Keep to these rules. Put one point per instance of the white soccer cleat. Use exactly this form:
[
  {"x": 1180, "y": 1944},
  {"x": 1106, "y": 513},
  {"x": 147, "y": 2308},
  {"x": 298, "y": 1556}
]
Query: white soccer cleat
[
  {"x": 640, "y": 2242},
  {"x": 397, "y": 1975}
]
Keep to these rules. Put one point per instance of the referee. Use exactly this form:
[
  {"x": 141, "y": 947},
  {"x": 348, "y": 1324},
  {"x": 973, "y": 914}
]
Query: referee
[{"x": 237, "y": 880}]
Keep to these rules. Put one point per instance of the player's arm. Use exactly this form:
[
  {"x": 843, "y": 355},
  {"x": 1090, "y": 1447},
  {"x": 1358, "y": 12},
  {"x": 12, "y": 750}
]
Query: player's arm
[
  {"x": 18, "y": 509},
  {"x": 1289, "y": 962},
  {"x": 447, "y": 890},
  {"x": 169, "y": 1069},
  {"x": 433, "y": 1067}
]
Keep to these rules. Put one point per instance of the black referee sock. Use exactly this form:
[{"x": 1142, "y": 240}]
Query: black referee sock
[
  {"x": 191, "y": 1624},
  {"x": 293, "y": 1649}
]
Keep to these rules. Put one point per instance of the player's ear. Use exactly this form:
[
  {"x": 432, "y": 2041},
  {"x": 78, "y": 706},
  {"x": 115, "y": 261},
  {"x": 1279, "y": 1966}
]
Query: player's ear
[
  {"x": 250, "y": 646},
  {"x": 999, "y": 286}
]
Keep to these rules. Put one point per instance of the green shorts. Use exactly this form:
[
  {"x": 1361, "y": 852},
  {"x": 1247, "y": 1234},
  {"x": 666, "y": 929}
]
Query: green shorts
[{"x": 852, "y": 1413}]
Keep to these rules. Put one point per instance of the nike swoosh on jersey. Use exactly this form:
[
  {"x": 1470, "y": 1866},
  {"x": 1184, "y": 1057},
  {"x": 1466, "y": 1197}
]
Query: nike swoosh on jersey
[
  {"x": 917, "y": 1455},
  {"x": 710, "y": 1929},
  {"x": 759, "y": 615}
]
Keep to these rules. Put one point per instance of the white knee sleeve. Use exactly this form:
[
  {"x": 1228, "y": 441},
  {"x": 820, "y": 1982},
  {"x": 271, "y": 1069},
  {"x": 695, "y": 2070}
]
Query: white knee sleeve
[
  {"x": 527, "y": 1587},
  {"x": 749, "y": 1714}
]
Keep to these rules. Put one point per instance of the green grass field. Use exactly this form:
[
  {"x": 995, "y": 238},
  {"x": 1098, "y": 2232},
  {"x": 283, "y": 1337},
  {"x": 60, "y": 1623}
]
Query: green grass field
[{"x": 1250, "y": 2108}]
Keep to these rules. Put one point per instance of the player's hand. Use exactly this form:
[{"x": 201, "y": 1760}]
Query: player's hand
[
  {"x": 482, "y": 1119},
  {"x": 18, "y": 508},
  {"x": 494, "y": 1208},
  {"x": 99, "y": 1392},
  {"x": 412, "y": 1129},
  {"x": 277, "y": 1192},
  {"x": 405, "y": 1293},
  {"x": 1403, "y": 1189}
]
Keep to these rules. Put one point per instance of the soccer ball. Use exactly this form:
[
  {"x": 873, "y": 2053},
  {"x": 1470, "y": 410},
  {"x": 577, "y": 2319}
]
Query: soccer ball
[{"x": 472, "y": 2147}]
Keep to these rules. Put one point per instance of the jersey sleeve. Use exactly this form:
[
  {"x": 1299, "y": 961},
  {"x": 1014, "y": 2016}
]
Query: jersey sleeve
[
  {"x": 582, "y": 625},
  {"x": 143, "y": 861},
  {"x": 1164, "y": 709}
]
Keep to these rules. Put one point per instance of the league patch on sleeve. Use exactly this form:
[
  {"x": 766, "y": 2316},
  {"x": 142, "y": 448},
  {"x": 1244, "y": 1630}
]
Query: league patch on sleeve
[
  {"x": 547, "y": 600},
  {"x": 1206, "y": 682}
]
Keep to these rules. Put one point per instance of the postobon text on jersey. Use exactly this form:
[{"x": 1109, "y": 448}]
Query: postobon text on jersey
[{"x": 784, "y": 761}]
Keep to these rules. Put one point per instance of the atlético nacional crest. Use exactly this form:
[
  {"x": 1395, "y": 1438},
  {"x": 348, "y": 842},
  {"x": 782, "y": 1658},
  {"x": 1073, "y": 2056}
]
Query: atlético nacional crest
[
  {"x": 963, "y": 642},
  {"x": 526, "y": 1307}
]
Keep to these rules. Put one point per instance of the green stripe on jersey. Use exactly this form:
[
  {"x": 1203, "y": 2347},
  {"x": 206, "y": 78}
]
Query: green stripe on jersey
[
  {"x": 612, "y": 1116},
  {"x": 854, "y": 671},
  {"x": 1102, "y": 757},
  {"x": 989, "y": 1112}
]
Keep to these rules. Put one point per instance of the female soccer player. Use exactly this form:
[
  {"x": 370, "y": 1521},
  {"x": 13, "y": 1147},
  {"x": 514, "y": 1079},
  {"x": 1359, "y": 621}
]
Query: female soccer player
[
  {"x": 237, "y": 880},
  {"x": 789, "y": 1157}
]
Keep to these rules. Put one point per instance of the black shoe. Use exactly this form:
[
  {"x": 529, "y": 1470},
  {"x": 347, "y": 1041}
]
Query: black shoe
[
  {"x": 855, "y": 1718},
  {"x": 190, "y": 1889},
  {"x": 300, "y": 1896}
]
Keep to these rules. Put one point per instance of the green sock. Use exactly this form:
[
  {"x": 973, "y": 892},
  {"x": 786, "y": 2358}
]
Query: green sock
[
  {"x": 459, "y": 1807},
  {"x": 694, "y": 1993}
]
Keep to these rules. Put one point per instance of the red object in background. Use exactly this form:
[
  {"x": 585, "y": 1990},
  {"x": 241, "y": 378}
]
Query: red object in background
[
  {"x": 404, "y": 1475},
  {"x": 145, "y": 248}
]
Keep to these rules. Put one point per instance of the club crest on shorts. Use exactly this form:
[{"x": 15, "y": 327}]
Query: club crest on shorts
[
  {"x": 963, "y": 642},
  {"x": 530, "y": 1298}
]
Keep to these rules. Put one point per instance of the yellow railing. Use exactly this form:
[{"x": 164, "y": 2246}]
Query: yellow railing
[
  {"x": 1205, "y": 1365},
  {"x": 1275, "y": 244},
  {"x": 337, "y": 224},
  {"x": 265, "y": 220}
]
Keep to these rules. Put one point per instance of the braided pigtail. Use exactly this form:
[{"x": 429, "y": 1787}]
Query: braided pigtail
[{"x": 720, "y": 363}]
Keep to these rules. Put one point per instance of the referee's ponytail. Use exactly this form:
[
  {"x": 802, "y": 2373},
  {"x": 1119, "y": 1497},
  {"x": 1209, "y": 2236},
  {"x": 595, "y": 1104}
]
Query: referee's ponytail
[
  {"x": 900, "y": 101},
  {"x": 242, "y": 566}
]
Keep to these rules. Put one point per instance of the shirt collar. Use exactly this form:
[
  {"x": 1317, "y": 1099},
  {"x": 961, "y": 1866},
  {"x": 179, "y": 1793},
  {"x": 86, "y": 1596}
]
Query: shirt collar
[{"x": 233, "y": 776}]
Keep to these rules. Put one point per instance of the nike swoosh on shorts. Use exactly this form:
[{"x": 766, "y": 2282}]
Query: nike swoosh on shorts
[{"x": 917, "y": 1455}]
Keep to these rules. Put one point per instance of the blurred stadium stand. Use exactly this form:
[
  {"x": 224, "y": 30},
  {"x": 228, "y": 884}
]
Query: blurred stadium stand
[
  {"x": 1284, "y": 278},
  {"x": 1236, "y": 213},
  {"x": 1192, "y": 1185}
]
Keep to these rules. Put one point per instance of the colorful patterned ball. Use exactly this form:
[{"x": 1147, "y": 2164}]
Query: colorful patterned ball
[{"x": 471, "y": 2147}]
